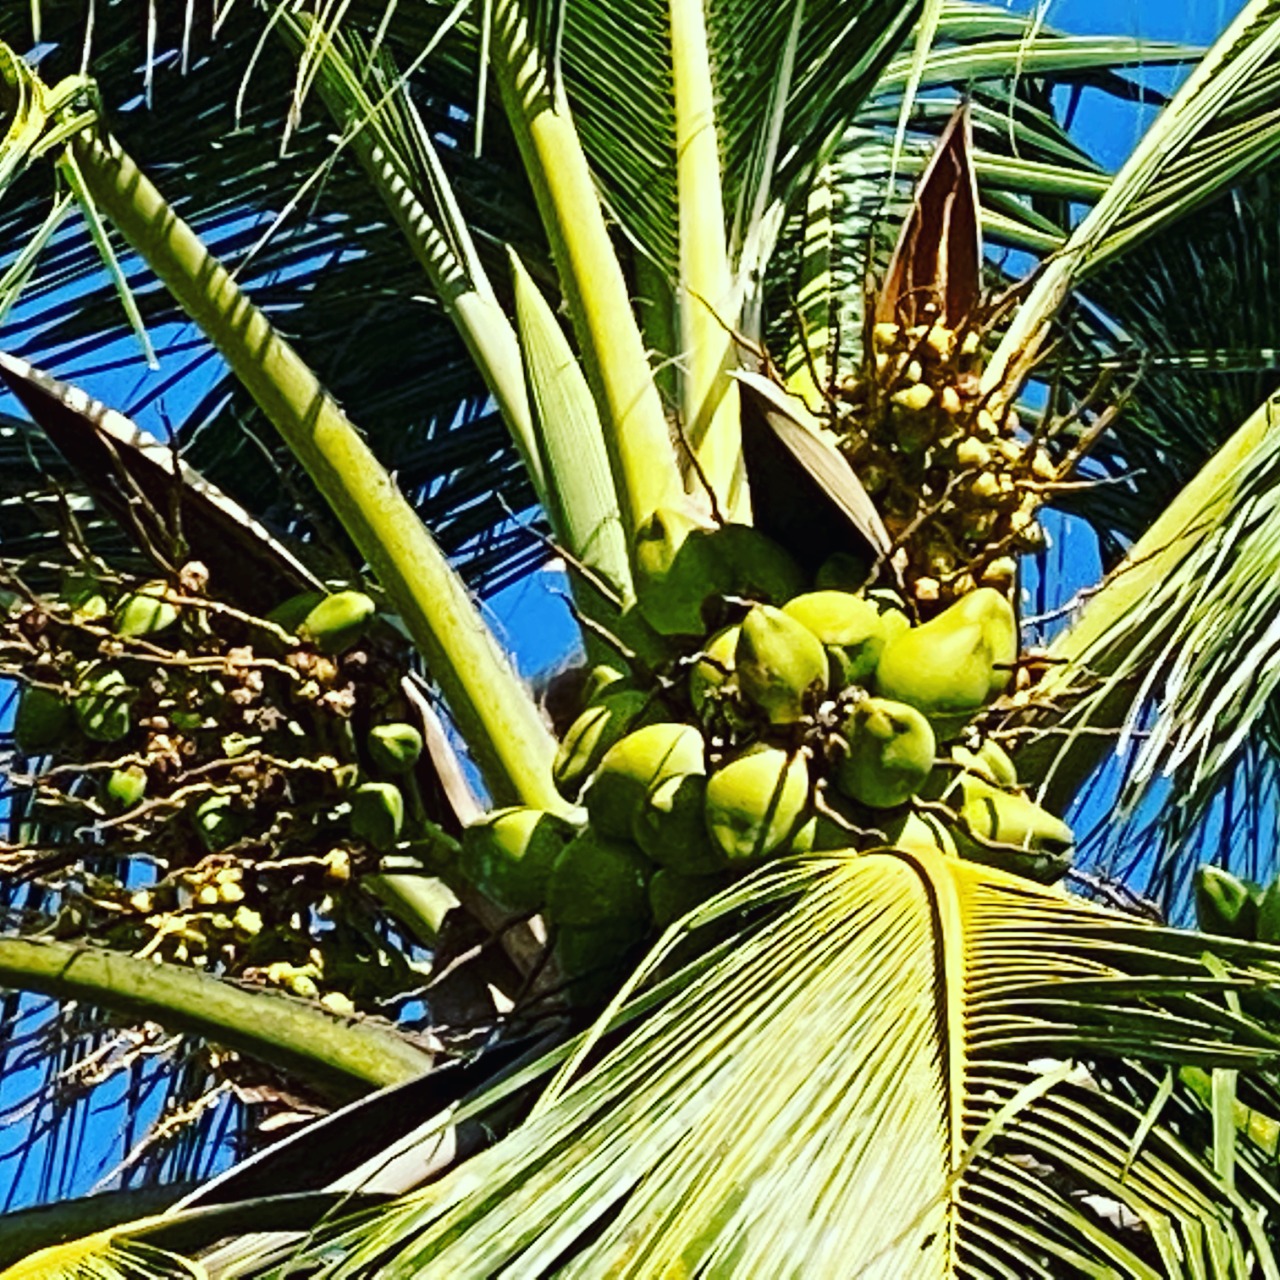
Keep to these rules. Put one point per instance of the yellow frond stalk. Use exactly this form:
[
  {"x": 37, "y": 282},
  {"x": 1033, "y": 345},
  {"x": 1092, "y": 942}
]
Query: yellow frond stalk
[
  {"x": 710, "y": 409},
  {"x": 644, "y": 466}
]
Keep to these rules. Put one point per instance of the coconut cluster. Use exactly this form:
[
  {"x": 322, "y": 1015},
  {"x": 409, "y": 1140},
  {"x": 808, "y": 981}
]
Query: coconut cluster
[
  {"x": 258, "y": 763},
  {"x": 805, "y": 718},
  {"x": 956, "y": 478}
]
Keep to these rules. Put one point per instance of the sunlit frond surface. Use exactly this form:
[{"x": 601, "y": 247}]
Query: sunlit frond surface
[
  {"x": 731, "y": 1128},
  {"x": 1178, "y": 660}
]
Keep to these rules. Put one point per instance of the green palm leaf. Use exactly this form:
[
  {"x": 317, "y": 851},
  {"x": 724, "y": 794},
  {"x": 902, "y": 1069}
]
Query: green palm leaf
[
  {"x": 1175, "y": 656},
  {"x": 103, "y": 1258},
  {"x": 1222, "y": 123},
  {"x": 626, "y": 118},
  {"x": 1186, "y": 313},
  {"x": 429, "y": 415},
  {"x": 732, "y": 1128}
]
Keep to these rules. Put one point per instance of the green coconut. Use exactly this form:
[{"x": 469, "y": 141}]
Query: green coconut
[
  {"x": 218, "y": 822},
  {"x": 338, "y": 621},
  {"x": 756, "y": 803},
  {"x": 508, "y": 855},
  {"x": 144, "y": 612},
  {"x": 835, "y": 617},
  {"x": 1013, "y": 832},
  {"x": 102, "y": 705},
  {"x": 587, "y": 739},
  {"x": 289, "y": 614},
  {"x": 125, "y": 787},
  {"x": 921, "y": 833},
  {"x": 989, "y": 761},
  {"x": 597, "y": 880},
  {"x": 1225, "y": 904},
  {"x": 672, "y": 895},
  {"x": 711, "y": 679},
  {"x": 952, "y": 665},
  {"x": 681, "y": 564},
  {"x": 395, "y": 748},
  {"x": 594, "y": 958},
  {"x": 377, "y": 814},
  {"x": 991, "y": 610},
  {"x": 633, "y": 765},
  {"x": 671, "y": 828},
  {"x": 891, "y": 750},
  {"x": 819, "y": 833},
  {"x": 602, "y": 679},
  {"x": 781, "y": 666},
  {"x": 42, "y": 720},
  {"x": 849, "y": 626}
]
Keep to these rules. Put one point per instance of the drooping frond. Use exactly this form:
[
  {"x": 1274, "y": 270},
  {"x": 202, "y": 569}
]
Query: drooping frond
[
  {"x": 729, "y": 1124},
  {"x": 1177, "y": 656}
]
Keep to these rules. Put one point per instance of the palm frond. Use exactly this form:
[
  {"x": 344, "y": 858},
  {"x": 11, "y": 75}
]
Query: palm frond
[
  {"x": 333, "y": 250},
  {"x": 1223, "y": 122},
  {"x": 368, "y": 96},
  {"x": 105, "y": 1258},
  {"x": 25, "y": 1231},
  {"x": 1176, "y": 655},
  {"x": 1187, "y": 315},
  {"x": 616, "y": 64},
  {"x": 729, "y": 1126}
]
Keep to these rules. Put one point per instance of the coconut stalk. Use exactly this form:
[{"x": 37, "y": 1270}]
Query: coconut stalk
[
  {"x": 343, "y": 1058},
  {"x": 643, "y": 463},
  {"x": 709, "y": 398},
  {"x": 493, "y": 709}
]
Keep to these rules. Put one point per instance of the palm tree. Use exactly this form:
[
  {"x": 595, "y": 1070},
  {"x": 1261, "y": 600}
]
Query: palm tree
[{"x": 897, "y": 1050}]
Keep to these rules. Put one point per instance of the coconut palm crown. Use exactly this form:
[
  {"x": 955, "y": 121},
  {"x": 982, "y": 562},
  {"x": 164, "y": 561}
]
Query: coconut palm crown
[{"x": 761, "y": 944}]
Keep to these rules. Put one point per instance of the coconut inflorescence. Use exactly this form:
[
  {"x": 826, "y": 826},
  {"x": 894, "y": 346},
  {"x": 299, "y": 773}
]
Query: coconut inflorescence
[
  {"x": 956, "y": 475},
  {"x": 790, "y": 716},
  {"x": 265, "y": 765}
]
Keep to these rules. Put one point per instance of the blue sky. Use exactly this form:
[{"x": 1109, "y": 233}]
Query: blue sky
[{"x": 531, "y": 618}]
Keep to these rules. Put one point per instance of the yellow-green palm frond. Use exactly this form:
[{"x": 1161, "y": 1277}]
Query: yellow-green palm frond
[
  {"x": 105, "y": 1257},
  {"x": 889, "y": 1065},
  {"x": 1169, "y": 667}
]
